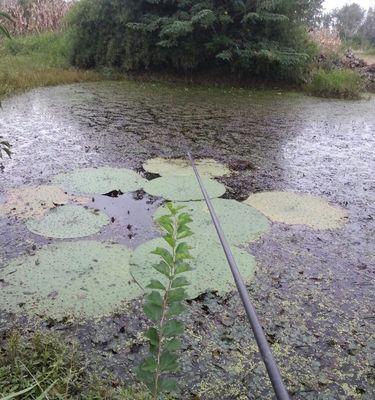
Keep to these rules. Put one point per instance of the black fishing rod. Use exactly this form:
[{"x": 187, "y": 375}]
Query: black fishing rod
[{"x": 265, "y": 351}]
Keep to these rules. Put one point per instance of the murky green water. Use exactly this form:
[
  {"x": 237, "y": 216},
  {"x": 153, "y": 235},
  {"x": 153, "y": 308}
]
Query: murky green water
[{"x": 314, "y": 290}]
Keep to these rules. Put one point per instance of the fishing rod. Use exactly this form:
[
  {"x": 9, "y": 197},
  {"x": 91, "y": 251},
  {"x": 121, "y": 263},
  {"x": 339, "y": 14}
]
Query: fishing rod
[{"x": 265, "y": 351}]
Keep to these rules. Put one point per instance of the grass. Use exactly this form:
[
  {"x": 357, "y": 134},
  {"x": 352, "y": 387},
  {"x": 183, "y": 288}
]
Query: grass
[
  {"x": 38, "y": 60},
  {"x": 342, "y": 84},
  {"x": 52, "y": 369}
]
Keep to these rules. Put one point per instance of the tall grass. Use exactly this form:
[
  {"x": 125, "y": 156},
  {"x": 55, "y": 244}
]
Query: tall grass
[
  {"x": 343, "y": 84},
  {"x": 44, "y": 362},
  {"x": 37, "y": 60}
]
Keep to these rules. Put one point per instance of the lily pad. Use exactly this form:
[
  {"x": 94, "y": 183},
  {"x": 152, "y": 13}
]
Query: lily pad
[
  {"x": 34, "y": 201},
  {"x": 211, "y": 270},
  {"x": 100, "y": 180},
  {"x": 82, "y": 279},
  {"x": 299, "y": 209},
  {"x": 181, "y": 167},
  {"x": 183, "y": 188},
  {"x": 68, "y": 222},
  {"x": 241, "y": 224}
]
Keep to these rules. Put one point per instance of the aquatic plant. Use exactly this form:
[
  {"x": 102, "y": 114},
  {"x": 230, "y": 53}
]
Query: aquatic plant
[
  {"x": 100, "y": 180},
  {"x": 210, "y": 268},
  {"x": 183, "y": 188},
  {"x": 69, "y": 221},
  {"x": 165, "y": 302},
  {"x": 34, "y": 201},
  {"x": 242, "y": 224},
  {"x": 298, "y": 209},
  {"x": 181, "y": 167},
  {"x": 80, "y": 279}
]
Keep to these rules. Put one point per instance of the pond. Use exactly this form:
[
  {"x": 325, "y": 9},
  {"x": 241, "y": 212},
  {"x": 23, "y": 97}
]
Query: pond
[{"x": 313, "y": 289}]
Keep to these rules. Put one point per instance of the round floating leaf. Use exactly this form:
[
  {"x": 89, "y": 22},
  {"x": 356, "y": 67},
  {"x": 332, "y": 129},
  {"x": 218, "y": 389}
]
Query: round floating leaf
[
  {"x": 183, "y": 188},
  {"x": 83, "y": 279},
  {"x": 241, "y": 223},
  {"x": 211, "y": 270},
  {"x": 34, "y": 201},
  {"x": 299, "y": 209},
  {"x": 68, "y": 222},
  {"x": 100, "y": 180},
  {"x": 181, "y": 167}
]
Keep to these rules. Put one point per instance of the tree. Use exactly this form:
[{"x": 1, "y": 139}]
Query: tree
[
  {"x": 348, "y": 20},
  {"x": 368, "y": 27}
]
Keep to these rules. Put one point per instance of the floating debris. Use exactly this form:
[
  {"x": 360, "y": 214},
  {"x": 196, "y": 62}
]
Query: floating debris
[
  {"x": 100, "y": 180},
  {"x": 181, "y": 167},
  {"x": 298, "y": 209},
  {"x": 69, "y": 221},
  {"x": 183, "y": 188},
  {"x": 81, "y": 279}
]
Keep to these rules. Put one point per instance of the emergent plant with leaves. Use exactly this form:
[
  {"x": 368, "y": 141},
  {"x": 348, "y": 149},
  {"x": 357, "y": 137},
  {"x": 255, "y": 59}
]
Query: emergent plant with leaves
[{"x": 165, "y": 302}]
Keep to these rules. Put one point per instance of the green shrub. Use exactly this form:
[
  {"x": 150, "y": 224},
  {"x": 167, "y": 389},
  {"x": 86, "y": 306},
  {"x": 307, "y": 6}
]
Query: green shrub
[
  {"x": 245, "y": 38},
  {"x": 343, "y": 84}
]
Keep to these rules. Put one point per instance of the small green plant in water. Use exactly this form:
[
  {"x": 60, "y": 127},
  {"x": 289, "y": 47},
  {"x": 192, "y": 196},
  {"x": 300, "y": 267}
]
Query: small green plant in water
[{"x": 165, "y": 302}]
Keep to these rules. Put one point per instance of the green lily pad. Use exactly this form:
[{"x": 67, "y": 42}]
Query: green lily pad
[
  {"x": 183, "y": 188},
  {"x": 181, "y": 167},
  {"x": 241, "y": 224},
  {"x": 34, "y": 201},
  {"x": 100, "y": 180},
  {"x": 299, "y": 209},
  {"x": 68, "y": 222},
  {"x": 82, "y": 279},
  {"x": 211, "y": 270}
]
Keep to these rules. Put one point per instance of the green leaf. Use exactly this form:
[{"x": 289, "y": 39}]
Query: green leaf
[
  {"x": 163, "y": 268},
  {"x": 184, "y": 218},
  {"x": 155, "y": 284},
  {"x": 168, "y": 362},
  {"x": 16, "y": 394},
  {"x": 155, "y": 298},
  {"x": 149, "y": 364},
  {"x": 153, "y": 336},
  {"x": 173, "y": 328},
  {"x": 44, "y": 394},
  {"x": 153, "y": 311},
  {"x": 180, "y": 281},
  {"x": 182, "y": 267},
  {"x": 173, "y": 344},
  {"x": 168, "y": 385},
  {"x": 164, "y": 254},
  {"x": 184, "y": 234},
  {"x": 175, "y": 308},
  {"x": 166, "y": 223},
  {"x": 170, "y": 240},
  {"x": 176, "y": 295},
  {"x": 182, "y": 251}
]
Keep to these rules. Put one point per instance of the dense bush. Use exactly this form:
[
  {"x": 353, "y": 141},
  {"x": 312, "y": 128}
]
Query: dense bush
[
  {"x": 250, "y": 38},
  {"x": 344, "y": 84}
]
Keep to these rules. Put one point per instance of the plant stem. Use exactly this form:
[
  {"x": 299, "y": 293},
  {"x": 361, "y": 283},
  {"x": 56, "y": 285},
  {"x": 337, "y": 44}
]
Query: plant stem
[{"x": 165, "y": 309}]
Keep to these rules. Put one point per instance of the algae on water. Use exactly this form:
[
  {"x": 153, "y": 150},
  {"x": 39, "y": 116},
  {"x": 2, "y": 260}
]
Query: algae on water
[
  {"x": 183, "y": 188},
  {"x": 241, "y": 224},
  {"x": 299, "y": 209},
  {"x": 82, "y": 279},
  {"x": 181, "y": 167},
  {"x": 210, "y": 268},
  {"x": 100, "y": 180},
  {"x": 34, "y": 201},
  {"x": 68, "y": 221}
]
